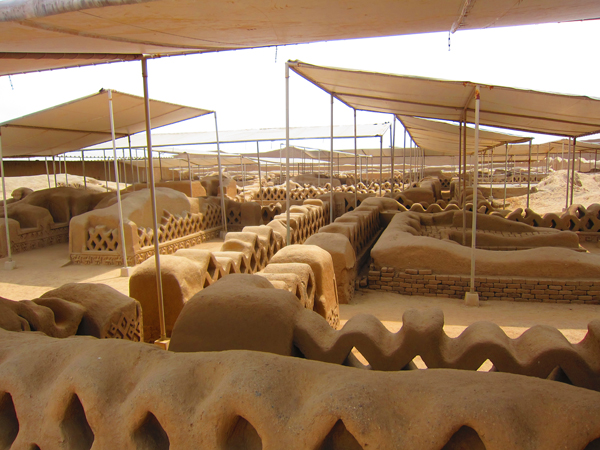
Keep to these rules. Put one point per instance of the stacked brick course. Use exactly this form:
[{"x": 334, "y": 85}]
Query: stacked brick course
[{"x": 424, "y": 282}]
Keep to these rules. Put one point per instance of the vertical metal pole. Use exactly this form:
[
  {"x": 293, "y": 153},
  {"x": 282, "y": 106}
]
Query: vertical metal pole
[
  {"x": 568, "y": 174},
  {"x": 66, "y": 173},
  {"x": 243, "y": 176},
  {"x": 131, "y": 161},
  {"x": 160, "y": 166},
  {"x": 119, "y": 204},
  {"x": 259, "y": 174},
  {"x": 190, "y": 175},
  {"x": 159, "y": 287},
  {"x": 331, "y": 167},
  {"x": 505, "y": 175},
  {"x": 529, "y": 174},
  {"x": 287, "y": 154},
  {"x": 319, "y": 168},
  {"x": 83, "y": 170},
  {"x": 474, "y": 222},
  {"x": 460, "y": 125},
  {"x": 562, "y": 156},
  {"x": 491, "y": 173},
  {"x": 393, "y": 154},
  {"x": 10, "y": 264},
  {"x": 54, "y": 171},
  {"x": 355, "y": 164},
  {"x": 48, "y": 171},
  {"x": 537, "y": 163},
  {"x": 221, "y": 191},
  {"x": 404, "y": 161},
  {"x": 381, "y": 166},
  {"x": 105, "y": 172},
  {"x": 573, "y": 169},
  {"x": 464, "y": 140}
]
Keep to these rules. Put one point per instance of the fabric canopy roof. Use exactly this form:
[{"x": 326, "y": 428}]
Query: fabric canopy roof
[
  {"x": 84, "y": 122},
  {"x": 502, "y": 107},
  {"x": 260, "y": 135},
  {"x": 443, "y": 138},
  {"x": 33, "y": 32},
  {"x": 204, "y": 160}
]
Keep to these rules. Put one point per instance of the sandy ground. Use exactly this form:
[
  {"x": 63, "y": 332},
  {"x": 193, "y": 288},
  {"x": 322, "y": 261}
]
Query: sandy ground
[{"x": 551, "y": 193}]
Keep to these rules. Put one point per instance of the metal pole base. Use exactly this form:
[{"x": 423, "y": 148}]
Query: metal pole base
[
  {"x": 10, "y": 265},
  {"x": 472, "y": 299},
  {"x": 126, "y": 271},
  {"x": 163, "y": 343}
]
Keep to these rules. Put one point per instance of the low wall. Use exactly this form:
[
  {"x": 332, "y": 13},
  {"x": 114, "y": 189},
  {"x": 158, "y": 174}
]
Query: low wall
[
  {"x": 407, "y": 262},
  {"x": 424, "y": 282}
]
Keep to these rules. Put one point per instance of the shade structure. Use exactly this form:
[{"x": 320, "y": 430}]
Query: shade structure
[
  {"x": 84, "y": 122},
  {"x": 443, "y": 138},
  {"x": 202, "y": 160},
  {"x": 33, "y": 32},
  {"x": 259, "y": 135},
  {"x": 504, "y": 107}
]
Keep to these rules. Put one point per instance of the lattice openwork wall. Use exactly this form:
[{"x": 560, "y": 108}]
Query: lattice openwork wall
[{"x": 174, "y": 232}]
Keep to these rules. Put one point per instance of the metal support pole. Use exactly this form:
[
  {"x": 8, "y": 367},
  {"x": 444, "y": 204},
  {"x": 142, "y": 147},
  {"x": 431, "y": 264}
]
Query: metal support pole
[
  {"x": 404, "y": 161},
  {"x": 319, "y": 168},
  {"x": 573, "y": 169},
  {"x": 331, "y": 168},
  {"x": 66, "y": 173},
  {"x": 131, "y": 161},
  {"x": 491, "y": 174},
  {"x": 464, "y": 141},
  {"x": 243, "y": 177},
  {"x": 474, "y": 222},
  {"x": 460, "y": 125},
  {"x": 393, "y": 151},
  {"x": 381, "y": 166},
  {"x": 505, "y": 174},
  {"x": 159, "y": 287},
  {"x": 568, "y": 174},
  {"x": 48, "y": 171},
  {"x": 537, "y": 163},
  {"x": 287, "y": 154},
  {"x": 529, "y": 174},
  {"x": 355, "y": 164},
  {"x": 124, "y": 270},
  {"x": 105, "y": 171},
  {"x": 221, "y": 191},
  {"x": 82, "y": 169},
  {"x": 190, "y": 175},
  {"x": 259, "y": 174},
  {"x": 10, "y": 264},
  {"x": 54, "y": 171},
  {"x": 160, "y": 166}
]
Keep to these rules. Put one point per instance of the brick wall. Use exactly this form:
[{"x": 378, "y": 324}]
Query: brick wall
[{"x": 424, "y": 282}]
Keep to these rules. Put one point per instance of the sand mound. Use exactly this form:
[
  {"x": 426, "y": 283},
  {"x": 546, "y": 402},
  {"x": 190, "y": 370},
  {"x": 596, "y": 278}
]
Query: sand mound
[
  {"x": 551, "y": 193},
  {"x": 39, "y": 182}
]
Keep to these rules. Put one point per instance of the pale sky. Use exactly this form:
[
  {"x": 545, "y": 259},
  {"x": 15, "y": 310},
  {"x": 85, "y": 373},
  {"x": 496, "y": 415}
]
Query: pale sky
[{"x": 247, "y": 89}]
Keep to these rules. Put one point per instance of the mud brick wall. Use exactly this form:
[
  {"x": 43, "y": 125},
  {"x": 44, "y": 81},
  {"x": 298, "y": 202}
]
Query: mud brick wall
[{"x": 424, "y": 282}]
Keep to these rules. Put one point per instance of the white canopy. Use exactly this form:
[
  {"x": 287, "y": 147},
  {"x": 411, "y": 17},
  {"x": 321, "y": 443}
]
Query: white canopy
[
  {"x": 84, "y": 122},
  {"x": 443, "y": 138},
  {"x": 37, "y": 35},
  {"x": 502, "y": 107},
  {"x": 259, "y": 135}
]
